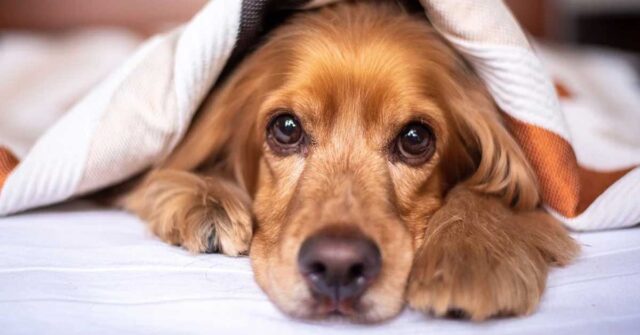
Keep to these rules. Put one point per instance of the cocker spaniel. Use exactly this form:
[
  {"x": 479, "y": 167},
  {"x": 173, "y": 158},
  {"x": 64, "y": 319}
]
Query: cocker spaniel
[{"x": 363, "y": 166}]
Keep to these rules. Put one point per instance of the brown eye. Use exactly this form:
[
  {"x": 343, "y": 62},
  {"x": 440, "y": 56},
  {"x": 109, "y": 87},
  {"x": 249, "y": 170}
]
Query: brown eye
[
  {"x": 285, "y": 134},
  {"x": 415, "y": 143}
]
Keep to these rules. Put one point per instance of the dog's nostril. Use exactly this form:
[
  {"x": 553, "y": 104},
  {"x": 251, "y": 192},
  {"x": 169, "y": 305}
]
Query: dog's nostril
[
  {"x": 315, "y": 272},
  {"x": 317, "y": 268},
  {"x": 356, "y": 271},
  {"x": 339, "y": 266}
]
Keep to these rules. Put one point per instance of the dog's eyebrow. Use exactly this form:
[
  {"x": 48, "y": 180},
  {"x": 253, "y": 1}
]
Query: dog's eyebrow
[{"x": 299, "y": 102}]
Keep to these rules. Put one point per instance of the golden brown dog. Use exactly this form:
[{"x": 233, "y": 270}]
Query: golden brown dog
[{"x": 367, "y": 167}]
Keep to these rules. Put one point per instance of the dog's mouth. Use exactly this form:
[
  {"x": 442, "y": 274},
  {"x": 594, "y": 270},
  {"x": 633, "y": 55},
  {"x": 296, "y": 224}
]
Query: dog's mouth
[
  {"x": 342, "y": 308},
  {"x": 340, "y": 303},
  {"x": 324, "y": 308}
]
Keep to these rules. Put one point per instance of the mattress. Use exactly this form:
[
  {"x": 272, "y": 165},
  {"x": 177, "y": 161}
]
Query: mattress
[{"x": 80, "y": 269}]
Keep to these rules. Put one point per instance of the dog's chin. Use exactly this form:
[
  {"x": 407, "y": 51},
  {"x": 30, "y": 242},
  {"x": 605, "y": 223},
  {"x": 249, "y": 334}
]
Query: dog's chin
[{"x": 364, "y": 309}]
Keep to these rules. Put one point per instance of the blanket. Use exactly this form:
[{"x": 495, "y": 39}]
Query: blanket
[{"x": 589, "y": 176}]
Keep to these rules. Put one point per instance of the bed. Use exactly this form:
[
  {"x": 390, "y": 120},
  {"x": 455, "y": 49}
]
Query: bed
[{"x": 77, "y": 268}]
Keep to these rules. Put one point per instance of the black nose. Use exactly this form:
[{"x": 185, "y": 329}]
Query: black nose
[{"x": 339, "y": 266}]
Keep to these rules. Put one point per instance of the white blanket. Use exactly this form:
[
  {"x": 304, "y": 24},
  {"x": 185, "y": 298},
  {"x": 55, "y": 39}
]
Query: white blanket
[{"x": 78, "y": 269}]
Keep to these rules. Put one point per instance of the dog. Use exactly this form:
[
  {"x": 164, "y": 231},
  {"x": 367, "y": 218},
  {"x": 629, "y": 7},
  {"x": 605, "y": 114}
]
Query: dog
[{"x": 363, "y": 166}]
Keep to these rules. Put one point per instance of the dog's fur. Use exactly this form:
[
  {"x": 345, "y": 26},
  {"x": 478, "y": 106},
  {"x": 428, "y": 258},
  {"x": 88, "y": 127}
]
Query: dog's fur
[{"x": 462, "y": 231}]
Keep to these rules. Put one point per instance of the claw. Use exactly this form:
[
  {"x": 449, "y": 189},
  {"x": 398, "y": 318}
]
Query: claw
[
  {"x": 212, "y": 243},
  {"x": 457, "y": 313}
]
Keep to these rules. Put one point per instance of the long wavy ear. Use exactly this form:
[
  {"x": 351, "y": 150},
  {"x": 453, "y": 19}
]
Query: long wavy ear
[{"x": 495, "y": 163}]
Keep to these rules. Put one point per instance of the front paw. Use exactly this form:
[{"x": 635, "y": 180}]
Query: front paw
[
  {"x": 203, "y": 215},
  {"x": 475, "y": 272},
  {"x": 481, "y": 259}
]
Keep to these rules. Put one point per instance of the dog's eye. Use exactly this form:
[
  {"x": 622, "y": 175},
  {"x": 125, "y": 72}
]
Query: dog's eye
[
  {"x": 286, "y": 129},
  {"x": 285, "y": 133},
  {"x": 415, "y": 143}
]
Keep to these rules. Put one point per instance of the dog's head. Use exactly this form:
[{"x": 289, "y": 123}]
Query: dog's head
[{"x": 359, "y": 119}]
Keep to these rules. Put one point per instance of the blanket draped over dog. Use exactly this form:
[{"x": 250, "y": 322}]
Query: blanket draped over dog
[{"x": 135, "y": 117}]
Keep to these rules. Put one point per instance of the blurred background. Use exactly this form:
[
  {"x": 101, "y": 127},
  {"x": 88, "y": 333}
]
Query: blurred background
[
  {"x": 53, "y": 51},
  {"x": 613, "y": 23}
]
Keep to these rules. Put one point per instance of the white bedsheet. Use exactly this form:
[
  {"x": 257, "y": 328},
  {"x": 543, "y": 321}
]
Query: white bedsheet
[{"x": 79, "y": 269}]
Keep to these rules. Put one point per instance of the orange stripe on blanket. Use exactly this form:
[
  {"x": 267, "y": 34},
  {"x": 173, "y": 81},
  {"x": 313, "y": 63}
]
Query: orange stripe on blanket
[
  {"x": 8, "y": 162},
  {"x": 595, "y": 183},
  {"x": 564, "y": 185},
  {"x": 562, "y": 90}
]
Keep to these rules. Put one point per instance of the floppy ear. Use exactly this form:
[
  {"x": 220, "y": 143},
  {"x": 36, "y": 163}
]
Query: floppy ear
[{"x": 495, "y": 163}]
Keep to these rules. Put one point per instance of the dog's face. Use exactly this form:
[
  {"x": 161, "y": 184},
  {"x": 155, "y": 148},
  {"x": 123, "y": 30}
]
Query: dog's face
[
  {"x": 353, "y": 145},
  {"x": 360, "y": 119}
]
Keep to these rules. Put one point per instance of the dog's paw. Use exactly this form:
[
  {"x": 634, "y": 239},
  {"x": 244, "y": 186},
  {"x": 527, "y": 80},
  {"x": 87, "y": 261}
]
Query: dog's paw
[
  {"x": 481, "y": 259},
  {"x": 201, "y": 214},
  {"x": 458, "y": 274}
]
